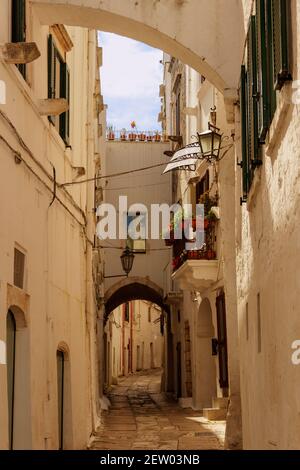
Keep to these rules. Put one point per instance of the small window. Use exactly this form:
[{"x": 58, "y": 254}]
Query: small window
[
  {"x": 126, "y": 311},
  {"x": 149, "y": 314},
  {"x": 202, "y": 186},
  {"x": 59, "y": 87},
  {"x": 19, "y": 265}
]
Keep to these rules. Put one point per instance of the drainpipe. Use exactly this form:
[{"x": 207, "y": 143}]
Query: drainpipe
[
  {"x": 131, "y": 336},
  {"x": 123, "y": 339},
  {"x": 91, "y": 308}
]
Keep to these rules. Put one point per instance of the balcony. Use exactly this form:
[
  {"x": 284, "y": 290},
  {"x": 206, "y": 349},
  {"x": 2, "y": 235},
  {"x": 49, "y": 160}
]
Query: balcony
[
  {"x": 135, "y": 136},
  {"x": 196, "y": 269}
]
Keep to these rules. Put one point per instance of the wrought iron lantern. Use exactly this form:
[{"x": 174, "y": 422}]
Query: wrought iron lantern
[
  {"x": 210, "y": 144},
  {"x": 127, "y": 258},
  {"x": 207, "y": 148}
]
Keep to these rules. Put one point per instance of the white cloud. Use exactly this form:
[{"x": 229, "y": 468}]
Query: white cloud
[
  {"x": 129, "y": 68},
  {"x": 131, "y": 73}
]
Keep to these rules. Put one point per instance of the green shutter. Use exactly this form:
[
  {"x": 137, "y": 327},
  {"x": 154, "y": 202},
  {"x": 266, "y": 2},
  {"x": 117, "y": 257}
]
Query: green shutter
[
  {"x": 244, "y": 133},
  {"x": 18, "y": 27},
  {"x": 272, "y": 91},
  {"x": 263, "y": 96},
  {"x": 280, "y": 15},
  {"x": 252, "y": 92},
  {"x": 51, "y": 72},
  {"x": 64, "y": 121},
  {"x": 250, "y": 105}
]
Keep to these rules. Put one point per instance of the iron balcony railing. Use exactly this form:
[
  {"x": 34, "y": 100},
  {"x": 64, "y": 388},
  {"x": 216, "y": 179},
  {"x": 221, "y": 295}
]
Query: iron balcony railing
[
  {"x": 135, "y": 136},
  {"x": 207, "y": 252}
]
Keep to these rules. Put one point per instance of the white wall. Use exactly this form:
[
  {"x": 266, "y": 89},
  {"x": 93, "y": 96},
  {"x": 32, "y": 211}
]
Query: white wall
[{"x": 146, "y": 187}]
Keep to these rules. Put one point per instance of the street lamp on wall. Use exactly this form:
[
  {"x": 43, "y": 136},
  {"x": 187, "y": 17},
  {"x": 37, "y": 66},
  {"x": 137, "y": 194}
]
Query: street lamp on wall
[
  {"x": 127, "y": 258},
  {"x": 210, "y": 143}
]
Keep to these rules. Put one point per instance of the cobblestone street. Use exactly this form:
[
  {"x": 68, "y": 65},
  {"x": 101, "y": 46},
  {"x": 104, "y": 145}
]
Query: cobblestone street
[{"x": 142, "y": 418}]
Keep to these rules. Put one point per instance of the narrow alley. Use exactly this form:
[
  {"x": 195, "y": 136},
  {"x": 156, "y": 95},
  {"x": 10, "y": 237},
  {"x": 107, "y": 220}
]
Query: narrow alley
[
  {"x": 141, "y": 418},
  {"x": 149, "y": 228}
]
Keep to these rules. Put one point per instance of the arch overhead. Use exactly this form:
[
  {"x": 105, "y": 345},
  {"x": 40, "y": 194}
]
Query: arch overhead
[
  {"x": 133, "y": 288},
  {"x": 206, "y": 35}
]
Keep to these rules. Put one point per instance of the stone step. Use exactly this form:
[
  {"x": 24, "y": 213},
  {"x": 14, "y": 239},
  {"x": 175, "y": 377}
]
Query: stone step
[
  {"x": 215, "y": 414},
  {"x": 220, "y": 402}
]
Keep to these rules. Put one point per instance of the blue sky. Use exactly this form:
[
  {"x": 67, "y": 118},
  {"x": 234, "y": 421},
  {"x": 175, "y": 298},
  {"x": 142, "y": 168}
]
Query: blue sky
[{"x": 130, "y": 79}]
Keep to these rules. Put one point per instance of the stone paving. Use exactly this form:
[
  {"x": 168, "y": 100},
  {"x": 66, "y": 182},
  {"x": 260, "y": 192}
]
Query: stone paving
[{"x": 141, "y": 418}]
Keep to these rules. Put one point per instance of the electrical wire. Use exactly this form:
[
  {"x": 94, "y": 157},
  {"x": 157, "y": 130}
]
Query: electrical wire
[
  {"x": 135, "y": 187},
  {"x": 113, "y": 175},
  {"x": 36, "y": 161},
  {"x": 18, "y": 155},
  {"x": 122, "y": 248}
]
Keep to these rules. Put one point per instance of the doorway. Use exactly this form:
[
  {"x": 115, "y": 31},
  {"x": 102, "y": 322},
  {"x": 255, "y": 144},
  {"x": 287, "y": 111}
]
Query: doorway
[
  {"x": 152, "y": 365},
  {"x": 64, "y": 403},
  {"x": 222, "y": 342},
  {"x": 138, "y": 358},
  {"x": 18, "y": 380},
  {"x": 60, "y": 397},
  {"x": 10, "y": 365},
  {"x": 178, "y": 351}
]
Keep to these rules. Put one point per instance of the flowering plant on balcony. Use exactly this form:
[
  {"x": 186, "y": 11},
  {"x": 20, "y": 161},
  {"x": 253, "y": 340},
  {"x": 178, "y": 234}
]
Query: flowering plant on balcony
[
  {"x": 208, "y": 202},
  {"x": 157, "y": 136},
  {"x": 142, "y": 137},
  {"x": 132, "y": 134},
  {"x": 123, "y": 134},
  {"x": 111, "y": 132}
]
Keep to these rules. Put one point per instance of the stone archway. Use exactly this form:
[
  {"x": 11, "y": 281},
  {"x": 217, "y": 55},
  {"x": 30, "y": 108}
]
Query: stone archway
[
  {"x": 133, "y": 288},
  {"x": 194, "y": 31},
  {"x": 205, "y": 377},
  {"x": 18, "y": 379},
  {"x": 64, "y": 397}
]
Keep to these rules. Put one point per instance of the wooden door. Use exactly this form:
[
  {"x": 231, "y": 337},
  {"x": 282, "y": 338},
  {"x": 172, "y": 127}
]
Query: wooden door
[
  {"x": 222, "y": 341},
  {"x": 10, "y": 367},
  {"x": 60, "y": 397}
]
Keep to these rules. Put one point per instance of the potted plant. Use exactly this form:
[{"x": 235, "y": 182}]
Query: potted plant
[
  {"x": 211, "y": 254},
  {"x": 132, "y": 134},
  {"x": 110, "y": 133},
  {"x": 123, "y": 134},
  {"x": 157, "y": 136},
  {"x": 149, "y": 137},
  {"x": 142, "y": 137}
]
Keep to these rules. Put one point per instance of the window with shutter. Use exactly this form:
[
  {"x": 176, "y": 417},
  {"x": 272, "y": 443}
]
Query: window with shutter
[
  {"x": 244, "y": 133},
  {"x": 252, "y": 94},
  {"x": 263, "y": 91},
  {"x": 280, "y": 15},
  {"x": 58, "y": 87},
  {"x": 250, "y": 111},
  {"x": 19, "y": 265},
  {"x": 51, "y": 73},
  {"x": 18, "y": 26},
  {"x": 266, "y": 69},
  {"x": 126, "y": 311},
  {"x": 64, "y": 120}
]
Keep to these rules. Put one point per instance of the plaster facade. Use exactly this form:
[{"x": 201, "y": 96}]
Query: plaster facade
[
  {"x": 258, "y": 242},
  {"x": 54, "y": 307}
]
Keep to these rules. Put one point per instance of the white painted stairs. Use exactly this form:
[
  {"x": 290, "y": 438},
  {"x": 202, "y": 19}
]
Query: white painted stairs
[{"x": 219, "y": 410}]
